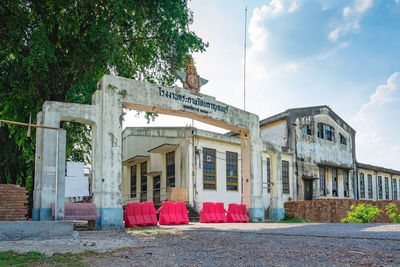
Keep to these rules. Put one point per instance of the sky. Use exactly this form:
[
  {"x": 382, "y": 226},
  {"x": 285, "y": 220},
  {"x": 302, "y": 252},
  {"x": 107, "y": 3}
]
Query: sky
[{"x": 340, "y": 53}]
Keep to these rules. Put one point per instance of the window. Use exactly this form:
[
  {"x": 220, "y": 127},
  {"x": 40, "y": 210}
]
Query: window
[
  {"x": 395, "y": 189},
  {"x": 143, "y": 181},
  {"x": 133, "y": 181},
  {"x": 231, "y": 171},
  {"x": 326, "y": 132},
  {"x": 342, "y": 140},
  {"x": 370, "y": 195},
  {"x": 322, "y": 188},
  {"x": 269, "y": 175},
  {"x": 209, "y": 178},
  {"x": 380, "y": 195},
  {"x": 362, "y": 187},
  {"x": 346, "y": 183},
  {"x": 386, "y": 188},
  {"x": 306, "y": 129},
  {"x": 285, "y": 177},
  {"x": 334, "y": 183},
  {"x": 170, "y": 159}
]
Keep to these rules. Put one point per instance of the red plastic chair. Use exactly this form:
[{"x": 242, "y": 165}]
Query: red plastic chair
[
  {"x": 205, "y": 213},
  {"x": 133, "y": 215},
  {"x": 220, "y": 211},
  {"x": 231, "y": 213},
  {"x": 244, "y": 216},
  {"x": 165, "y": 213},
  {"x": 181, "y": 213},
  {"x": 149, "y": 213}
]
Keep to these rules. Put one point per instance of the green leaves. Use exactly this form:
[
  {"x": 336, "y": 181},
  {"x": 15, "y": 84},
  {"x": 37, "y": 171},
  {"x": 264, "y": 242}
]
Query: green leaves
[
  {"x": 361, "y": 214},
  {"x": 58, "y": 50},
  {"x": 391, "y": 211}
]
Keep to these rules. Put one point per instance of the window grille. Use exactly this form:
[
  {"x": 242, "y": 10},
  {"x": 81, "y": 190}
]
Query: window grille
[
  {"x": 370, "y": 194},
  {"x": 143, "y": 181},
  {"x": 209, "y": 169},
  {"x": 285, "y": 177},
  {"x": 170, "y": 159},
  {"x": 326, "y": 132},
  {"x": 133, "y": 182},
  {"x": 346, "y": 183},
  {"x": 334, "y": 182},
  {"x": 231, "y": 171},
  {"x": 386, "y": 188},
  {"x": 362, "y": 187},
  {"x": 306, "y": 129}
]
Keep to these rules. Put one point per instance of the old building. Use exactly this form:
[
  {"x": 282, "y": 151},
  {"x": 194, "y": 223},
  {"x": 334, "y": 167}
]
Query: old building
[
  {"x": 324, "y": 150},
  {"x": 377, "y": 183},
  {"x": 188, "y": 164},
  {"x": 307, "y": 153}
]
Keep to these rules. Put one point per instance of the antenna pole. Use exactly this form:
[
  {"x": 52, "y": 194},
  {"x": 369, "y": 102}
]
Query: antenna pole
[{"x": 244, "y": 65}]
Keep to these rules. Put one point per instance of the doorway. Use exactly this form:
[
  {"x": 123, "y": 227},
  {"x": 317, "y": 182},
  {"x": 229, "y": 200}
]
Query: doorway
[{"x": 308, "y": 189}]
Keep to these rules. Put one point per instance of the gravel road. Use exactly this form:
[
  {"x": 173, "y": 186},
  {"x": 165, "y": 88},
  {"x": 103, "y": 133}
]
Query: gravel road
[{"x": 232, "y": 245}]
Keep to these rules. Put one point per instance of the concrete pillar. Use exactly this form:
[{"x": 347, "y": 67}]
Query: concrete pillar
[
  {"x": 60, "y": 178},
  {"x": 38, "y": 169},
  {"x": 46, "y": 163},
  {"x": 276, "y": 211},
  {"x": 107, "y": 193},
  {"x": 246, "y": 169},
  {"x": 257, "y": 213}
]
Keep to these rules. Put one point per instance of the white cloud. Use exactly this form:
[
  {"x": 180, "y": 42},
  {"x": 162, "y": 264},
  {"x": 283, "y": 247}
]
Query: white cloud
[
  {"x": 384, "y": 93},
  {"x": 259, "y": 69},
  {"x": 352, "y": 15},
  {"x": 377, "y": 125}
]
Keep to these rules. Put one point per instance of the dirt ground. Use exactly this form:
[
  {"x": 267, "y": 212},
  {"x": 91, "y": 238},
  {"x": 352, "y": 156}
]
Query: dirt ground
[{"x": 231, "y": 245}]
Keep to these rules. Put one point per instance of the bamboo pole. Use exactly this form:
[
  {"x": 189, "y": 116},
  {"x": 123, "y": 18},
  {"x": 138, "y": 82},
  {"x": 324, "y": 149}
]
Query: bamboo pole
[{"x": 29, "y": 125}]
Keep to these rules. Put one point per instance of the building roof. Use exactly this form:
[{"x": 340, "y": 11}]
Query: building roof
[
  {"x": 304, "y": 111},
  {"x": 377, "y": 168}
]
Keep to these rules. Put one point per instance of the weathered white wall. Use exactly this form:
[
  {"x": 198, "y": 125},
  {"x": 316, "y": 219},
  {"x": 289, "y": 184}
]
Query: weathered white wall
[
  {"x": 276, "y": 133},
  {"x": 220, "y": 194},
  {"x": 138, "y": 141},
  {"x": 323, "y": 151}
]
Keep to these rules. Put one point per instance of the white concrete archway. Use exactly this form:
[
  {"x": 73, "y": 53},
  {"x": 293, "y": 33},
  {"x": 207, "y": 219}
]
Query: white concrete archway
[{"x": 105, "y": 116}]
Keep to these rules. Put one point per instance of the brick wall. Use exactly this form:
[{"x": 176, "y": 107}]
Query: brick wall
[
  {"x": 13, "y": 200},
  {"x": 333, "y": 210}
]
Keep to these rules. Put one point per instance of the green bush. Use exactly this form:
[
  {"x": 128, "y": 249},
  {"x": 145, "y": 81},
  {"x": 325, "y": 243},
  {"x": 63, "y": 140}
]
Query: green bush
[
  {"x": 392, "y": 211},
  {"x": 361, "y": 214}
]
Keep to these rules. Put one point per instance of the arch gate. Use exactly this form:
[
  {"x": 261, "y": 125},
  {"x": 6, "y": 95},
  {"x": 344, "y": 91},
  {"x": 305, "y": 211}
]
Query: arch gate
[{"x": 105, "y": 116}]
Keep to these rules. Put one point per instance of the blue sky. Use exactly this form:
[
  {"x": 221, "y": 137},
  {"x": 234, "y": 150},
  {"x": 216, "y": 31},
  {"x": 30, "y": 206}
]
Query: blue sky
[{"x": 345, "y": 54}]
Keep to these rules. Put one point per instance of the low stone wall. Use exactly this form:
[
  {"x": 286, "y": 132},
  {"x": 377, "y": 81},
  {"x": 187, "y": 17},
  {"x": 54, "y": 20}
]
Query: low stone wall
[
  {"x": 333, "y": 210},
  {"x": 13, "y": 200}
]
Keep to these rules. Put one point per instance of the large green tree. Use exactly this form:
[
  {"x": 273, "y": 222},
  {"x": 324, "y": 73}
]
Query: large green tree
[{"x": 58, "y": 50}]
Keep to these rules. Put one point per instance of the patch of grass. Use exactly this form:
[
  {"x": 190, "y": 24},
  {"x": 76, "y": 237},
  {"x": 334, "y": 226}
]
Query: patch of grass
[
  {"x": 149, "y": 232},
  {"x": 290, "y": 219},
  {"x": 15, "y": 258},
  {"x": 294, "y": 220}
]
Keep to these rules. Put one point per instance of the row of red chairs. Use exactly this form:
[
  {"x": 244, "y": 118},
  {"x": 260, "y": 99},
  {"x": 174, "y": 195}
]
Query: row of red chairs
[
  {"x": 216, "y": 213},
  {"x": 142, "y": 214}
]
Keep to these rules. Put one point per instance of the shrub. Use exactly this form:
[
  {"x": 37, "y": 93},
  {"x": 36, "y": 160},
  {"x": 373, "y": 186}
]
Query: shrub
[
  {"x": 392, "y": 210},
  {"x": 361, "y": 214}
]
